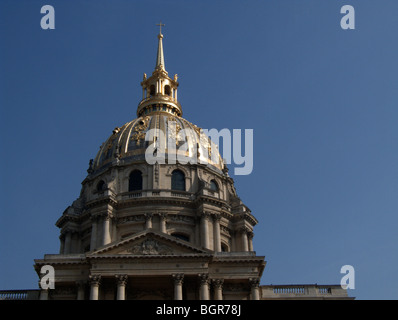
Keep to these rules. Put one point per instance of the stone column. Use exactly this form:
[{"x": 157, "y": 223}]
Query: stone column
[
  {"x": 250, "y": 236},
  {"x": 204, "y": 286},
  {"x": 68, "y": 242},
  {"x": 245, "y": 243},
  {"x": 204, "y": 232},
  {"x": 94, "y": 283},
  {"x": 148, "y": 220},
  {"x": 178, "y": 280},
  {"x": 114, "y": 229},
  {"x": 121, "y": 286},
  {"x": 106, "y": 234},
  {"x": 217, "y": 236},
  {"x": 197, "y": 231},
  {"x": 62, "y": 243},
  {"x": 255, "y": 290},
  {"x": 80, "y": 290},
  {"x": 44, "y": 294},
  {"x": 217, "y": 284},
  {"x": 163, "y": 218},
  {"x": 75, "y": 245},
  {"x": 93, "y": 243}
]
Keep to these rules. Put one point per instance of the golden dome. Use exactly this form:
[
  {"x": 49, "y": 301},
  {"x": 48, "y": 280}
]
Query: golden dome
[
  {"x": 159, "y": 111},
  {"x": 127, "y": 144}
]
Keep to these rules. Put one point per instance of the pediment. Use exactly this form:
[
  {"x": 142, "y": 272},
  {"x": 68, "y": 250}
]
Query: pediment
[{"x": 149, "y": 243}]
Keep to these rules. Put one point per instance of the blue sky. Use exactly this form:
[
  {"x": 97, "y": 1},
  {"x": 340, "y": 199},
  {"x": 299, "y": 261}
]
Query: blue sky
[{"x": 322, "y": 102}]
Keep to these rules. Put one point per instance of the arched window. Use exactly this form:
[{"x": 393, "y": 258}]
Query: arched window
[
  {"x": 135, "y": 180},
  {"x": 101, "y": 186},
  {"x": 178, "y": 180},
  {"x": 167, "y": 90},
  {"x": 213, "y": 185},
  {"x": 152, "y": 90},
  {"x": 181, "y": 236},
  {"x": 224, "y": 247}
]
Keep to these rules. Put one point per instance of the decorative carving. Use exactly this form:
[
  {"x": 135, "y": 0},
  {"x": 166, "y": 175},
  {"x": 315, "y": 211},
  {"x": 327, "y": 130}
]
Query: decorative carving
[
  {"x": 156, "y": 171},
  {"x": 225, "y": 230},
  {"x": 137, "y": 137},
  {"x": 254, "y": 282},
  {"x": 218, "y": 283},
  {"x": 151, "y": 247},
  {"x": 135, "y": 218},
  {"x": 139, "y": 129},
  {"x": 163, "y": 215},
  {"x": 178, "y": 278},
  {"x": 204, "y": 278},
  {"x": 244, "y": 230},
  {"x": 121, "y": 279},
  {"x": 94, "y": 279},
  {"x": 90, "y": 167},
  {"x": 173, "y": 129},
  {"x": 181, "y": 218}
]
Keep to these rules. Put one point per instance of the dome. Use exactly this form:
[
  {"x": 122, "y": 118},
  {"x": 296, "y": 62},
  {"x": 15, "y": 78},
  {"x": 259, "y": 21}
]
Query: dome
[
  {"x": 158, "y": 129},
  {"x": 128, "y": 144},
  {"x": 158, "y": 199}
]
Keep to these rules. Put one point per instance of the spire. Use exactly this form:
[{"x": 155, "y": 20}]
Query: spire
[
  {"x": 159, "y": 91},
  {"x": 160, "y": 56}
]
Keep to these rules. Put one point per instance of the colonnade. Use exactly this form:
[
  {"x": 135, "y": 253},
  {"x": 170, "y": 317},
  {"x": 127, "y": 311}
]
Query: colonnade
[
  {"x": 178, "y": 280},
  {"x": 103, "y": 230}
]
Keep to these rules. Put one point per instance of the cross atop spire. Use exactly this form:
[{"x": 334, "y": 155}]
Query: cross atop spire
[
  {"x": 160, "y": 27},
  {"x": 160, "y": 57}
]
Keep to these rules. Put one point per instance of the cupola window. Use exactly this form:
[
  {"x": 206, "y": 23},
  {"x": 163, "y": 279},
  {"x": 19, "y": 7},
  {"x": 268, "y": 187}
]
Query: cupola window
[
  {"x": 101, "y": 186},
  {"x": 178, "y": 180},
  {"x": 152, "y": 90},
  {"x": 167, "y": 90},
  {"x": 213, "y": 185},
  {"x": 135, "y": 180}
]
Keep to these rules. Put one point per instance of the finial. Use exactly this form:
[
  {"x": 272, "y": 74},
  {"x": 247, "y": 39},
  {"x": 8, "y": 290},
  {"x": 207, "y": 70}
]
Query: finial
[
  {"x": 160, "y": 57},
  {"x": 160, "y": 27}
]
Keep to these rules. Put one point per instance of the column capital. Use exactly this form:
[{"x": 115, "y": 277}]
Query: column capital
[
  {"x": 217, "y": 283},
  {"x": 204, "y": 278},
  {"x": 254, "y": 282},
  {"x": 178, "y": 278},
  {"x": 162, "y": 215},
  {"x": 217, "y": 217},
  {"x": 107, "y": 216},
  {"x": 205, "y": 215},
  {"x": 244, "y": 230},
  {"x": 121, "y": 279},
  {"x": 94, "y": 279},
  {"x": 148, "y": 215}
]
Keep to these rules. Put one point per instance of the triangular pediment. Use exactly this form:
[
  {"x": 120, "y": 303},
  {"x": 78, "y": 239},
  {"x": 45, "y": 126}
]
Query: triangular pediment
[{"x": 149, "y": 243}]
